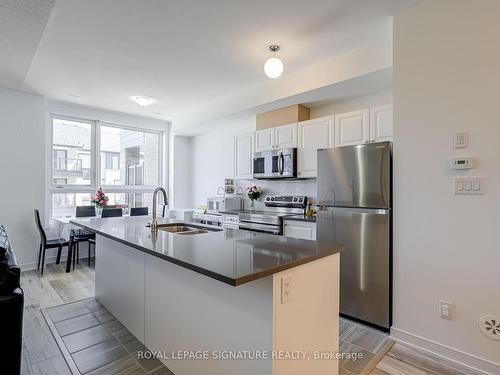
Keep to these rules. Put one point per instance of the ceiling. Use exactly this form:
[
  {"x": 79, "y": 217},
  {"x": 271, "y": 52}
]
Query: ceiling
[{"x": 181, "y": 52}]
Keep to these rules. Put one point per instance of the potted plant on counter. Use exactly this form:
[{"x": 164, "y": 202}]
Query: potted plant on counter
[
  {"x": 253, "y": 193},
  {"x": 100, "y": 200}
]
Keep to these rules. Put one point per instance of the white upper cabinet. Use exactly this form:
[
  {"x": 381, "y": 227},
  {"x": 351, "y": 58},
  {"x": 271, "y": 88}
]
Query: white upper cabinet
[
  {"x": 264, "y": 140},
  {"x": 243, "y": 150},
  {"x": 352, "y": 128},
  {"x": 278, "y": 137},
  {"x": 381, "y": 123},
  {"x": 285, "y": 136},
  {"x": 313, "y": 134}
]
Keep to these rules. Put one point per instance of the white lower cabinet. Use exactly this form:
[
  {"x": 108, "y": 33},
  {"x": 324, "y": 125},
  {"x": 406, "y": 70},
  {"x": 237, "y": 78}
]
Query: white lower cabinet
[{"x": 299, "y": 229}]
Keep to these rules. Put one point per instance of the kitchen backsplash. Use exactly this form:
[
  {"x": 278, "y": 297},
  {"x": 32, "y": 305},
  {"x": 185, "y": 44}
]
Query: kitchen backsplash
[{"x": 279, "y": 187}]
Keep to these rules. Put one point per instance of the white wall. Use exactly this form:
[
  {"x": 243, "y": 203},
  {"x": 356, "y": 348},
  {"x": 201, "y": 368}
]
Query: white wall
[
  {"x": 446, "y": 79},
  {"x": 24, "y": 157},
  {"x": 352, "y": 104},
  {"x": 22, "y": 166},
  {"x": 180, "y": 171},
  {"x": 212, "y": 158}
]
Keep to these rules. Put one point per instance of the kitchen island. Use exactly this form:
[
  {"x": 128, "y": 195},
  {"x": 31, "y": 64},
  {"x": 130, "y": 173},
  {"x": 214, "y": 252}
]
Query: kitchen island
[{"x": 221, "y": 301}]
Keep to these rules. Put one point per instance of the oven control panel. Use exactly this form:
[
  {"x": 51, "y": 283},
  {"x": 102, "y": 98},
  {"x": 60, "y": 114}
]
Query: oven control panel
[{"x": 285, "y": 200}]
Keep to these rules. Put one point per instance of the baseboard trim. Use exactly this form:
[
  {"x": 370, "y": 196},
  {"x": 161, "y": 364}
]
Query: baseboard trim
[
  {"x": 446, "y": 352},
  {"x": 48, "y": 260}
]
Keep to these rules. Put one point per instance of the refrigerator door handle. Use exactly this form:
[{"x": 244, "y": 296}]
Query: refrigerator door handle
[{"x": 377, "y": 211}]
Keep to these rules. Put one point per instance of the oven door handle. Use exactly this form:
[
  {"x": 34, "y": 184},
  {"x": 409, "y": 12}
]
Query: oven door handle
[
  {"x": 274, "y": 229},
  {"x": 281, "y": 163}
]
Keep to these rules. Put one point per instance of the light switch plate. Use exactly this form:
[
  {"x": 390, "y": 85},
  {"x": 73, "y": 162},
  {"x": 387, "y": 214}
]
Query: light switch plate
[
  {"x": 468, "y": 185},
  {"x": 460, "y": 140},
  {"x": 446, "y": 310}
]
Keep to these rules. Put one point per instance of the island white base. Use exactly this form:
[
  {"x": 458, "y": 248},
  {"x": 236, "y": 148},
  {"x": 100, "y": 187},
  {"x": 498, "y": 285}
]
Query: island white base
[{"x": 176, "y": 311}]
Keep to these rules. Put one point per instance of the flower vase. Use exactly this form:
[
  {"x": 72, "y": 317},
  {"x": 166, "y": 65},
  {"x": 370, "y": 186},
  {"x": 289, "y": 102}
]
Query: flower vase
[
  {"x": 98, "y": 210},
  {"x": 252, "y": 203}
]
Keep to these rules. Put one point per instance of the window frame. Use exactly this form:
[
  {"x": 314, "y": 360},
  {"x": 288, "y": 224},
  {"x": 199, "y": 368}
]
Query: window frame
[
  {"x": 95, "y": 161},
  {"x": 93, "y": 145},
  {"x": 125, "y": 188}
]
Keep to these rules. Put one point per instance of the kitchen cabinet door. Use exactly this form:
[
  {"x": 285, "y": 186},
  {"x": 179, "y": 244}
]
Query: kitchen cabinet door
[
  {"x": 381, "y": 123},
  {"x": 243, "y": 150},
  {"x": 264, "y": 140},
  {"x": 299, "y": 229},
  {"x": 313, "y": 134},
  {"x": 352, "y": 128},
  {"x": 285, "y": 136}
]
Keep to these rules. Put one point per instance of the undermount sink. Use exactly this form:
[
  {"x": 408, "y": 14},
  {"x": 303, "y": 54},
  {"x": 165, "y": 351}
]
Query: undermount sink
[{"x": 181, "y": 228}]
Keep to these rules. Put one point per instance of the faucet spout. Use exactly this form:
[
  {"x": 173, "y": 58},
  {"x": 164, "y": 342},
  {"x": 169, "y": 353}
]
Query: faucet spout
[{"x": 154, "y": 222}]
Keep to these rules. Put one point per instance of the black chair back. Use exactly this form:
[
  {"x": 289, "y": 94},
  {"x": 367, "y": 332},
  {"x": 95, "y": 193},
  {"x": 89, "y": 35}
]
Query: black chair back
[
  {"x": 139, "y": 211},
  {"x": 85, "y": 211},
  {"x": 112, "y": 212},
  {"x": 39, "y": 226}
]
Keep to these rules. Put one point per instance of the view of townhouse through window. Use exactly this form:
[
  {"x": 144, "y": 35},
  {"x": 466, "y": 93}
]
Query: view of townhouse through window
[{"x": 125, "y": 162}]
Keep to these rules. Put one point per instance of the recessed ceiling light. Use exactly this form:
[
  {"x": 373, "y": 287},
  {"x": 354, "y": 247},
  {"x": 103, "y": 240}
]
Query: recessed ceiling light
[
  {"x": 273, "y": 66},
  {"x": 74, "y": 96},
  {"x": 143, "y": 100},
  {"x": 158, "y": 113}
]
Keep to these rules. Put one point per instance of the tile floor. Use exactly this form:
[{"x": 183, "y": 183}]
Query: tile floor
[{"x": 41, "y": 354}]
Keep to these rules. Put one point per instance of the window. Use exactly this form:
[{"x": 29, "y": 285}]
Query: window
[
  {"x": 71, "y": 150},
  {"x": 129, "y": 157},
  {"x": 86, "y": 155},
  {"x": 60, "y": 160},
  {"x": 64, "y": 204},
  {"x": 112, "y": 160}
]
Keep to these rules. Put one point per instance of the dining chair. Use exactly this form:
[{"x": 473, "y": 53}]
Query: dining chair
[
  {"x": 82, "y": 235},
  {"x": 85, "y": 211},
  {"x": 139, "y": 211},
  {"x": 112, "y": 212},
  {"x": 56, "y": 243}
]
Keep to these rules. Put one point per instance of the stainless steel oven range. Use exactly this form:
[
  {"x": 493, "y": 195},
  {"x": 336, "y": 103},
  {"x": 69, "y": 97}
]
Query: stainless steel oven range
[{"x": 271, "y": 219}]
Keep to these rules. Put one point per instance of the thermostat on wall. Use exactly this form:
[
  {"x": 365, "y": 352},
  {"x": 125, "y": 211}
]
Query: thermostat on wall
[{"x": 462, "y": 163}]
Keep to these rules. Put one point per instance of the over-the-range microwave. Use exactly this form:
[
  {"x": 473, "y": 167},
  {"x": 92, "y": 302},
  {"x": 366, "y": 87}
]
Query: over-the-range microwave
[{"x": 279, "y": 163}]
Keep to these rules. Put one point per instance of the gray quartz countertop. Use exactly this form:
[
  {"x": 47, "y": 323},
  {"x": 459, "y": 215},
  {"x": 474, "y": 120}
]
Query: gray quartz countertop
[{"x": 232, "y": 256}]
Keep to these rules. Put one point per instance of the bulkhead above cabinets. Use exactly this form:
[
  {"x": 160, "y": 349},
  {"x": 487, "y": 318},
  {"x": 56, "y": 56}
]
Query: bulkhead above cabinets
[{"x": 357, "y": 127}]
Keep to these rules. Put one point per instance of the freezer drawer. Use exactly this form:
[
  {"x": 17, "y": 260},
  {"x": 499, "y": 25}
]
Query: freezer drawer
[{"x": 365, "y": 289}]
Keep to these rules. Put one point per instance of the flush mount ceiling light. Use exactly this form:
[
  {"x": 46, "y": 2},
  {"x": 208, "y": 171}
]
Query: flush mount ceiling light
[
  {"x": 143, "y": 100},
  {"x": 273, "y": 66}
]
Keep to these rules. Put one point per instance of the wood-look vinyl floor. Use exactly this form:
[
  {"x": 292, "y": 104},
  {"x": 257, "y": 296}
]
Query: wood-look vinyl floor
[{"x": 41, "y": 354}]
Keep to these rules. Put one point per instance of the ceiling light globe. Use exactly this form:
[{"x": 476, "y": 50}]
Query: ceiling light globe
[
  {"x": 143, "y": 100},
  {"x": 273, "y": 67}
]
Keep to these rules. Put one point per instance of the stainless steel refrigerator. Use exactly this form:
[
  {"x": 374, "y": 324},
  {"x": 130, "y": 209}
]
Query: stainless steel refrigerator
[{"x": 354, "y": 192}]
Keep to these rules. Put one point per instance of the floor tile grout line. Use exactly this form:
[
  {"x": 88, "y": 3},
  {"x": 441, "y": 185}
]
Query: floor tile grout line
[
  {"x": 67, "y": 303},
  {"x": 80, "y": 330},
  {"x": 60, "y": 344},
  {"x": 415, "y": 364},
  {"x": 76, "y": 316}
]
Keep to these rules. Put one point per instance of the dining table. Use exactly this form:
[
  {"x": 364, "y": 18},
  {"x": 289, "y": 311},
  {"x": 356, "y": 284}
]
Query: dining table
[{"x": 67, "y": 231}]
